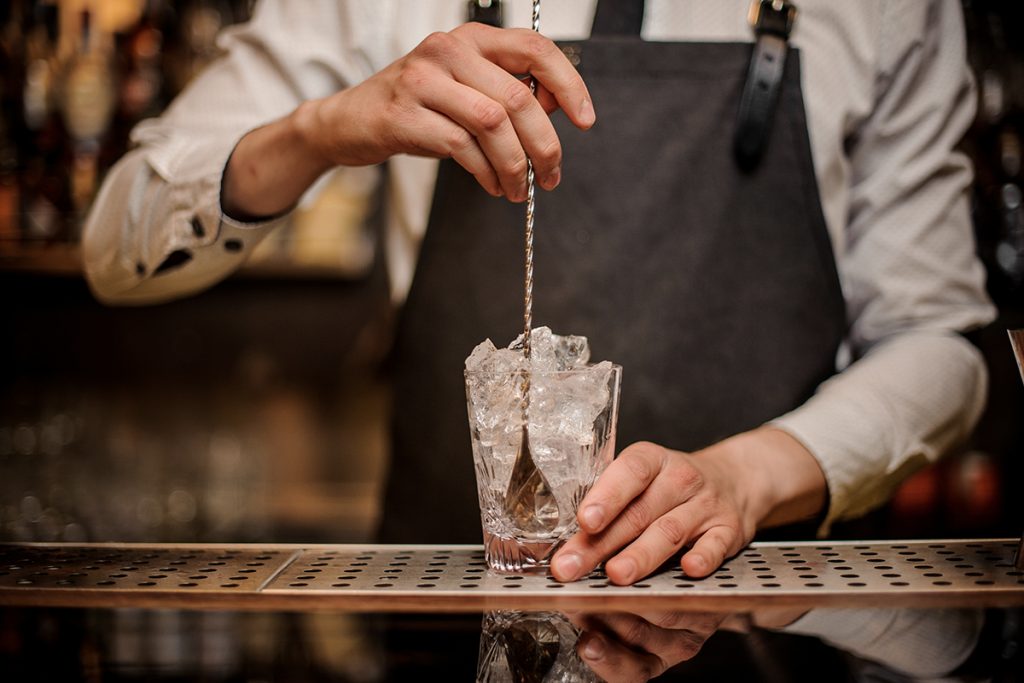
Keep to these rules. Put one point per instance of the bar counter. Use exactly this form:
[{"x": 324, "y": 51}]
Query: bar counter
[{"x": 777, "y": 611}]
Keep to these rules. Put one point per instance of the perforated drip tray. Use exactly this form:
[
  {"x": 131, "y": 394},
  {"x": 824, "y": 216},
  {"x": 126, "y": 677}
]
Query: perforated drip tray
[{"x": 455, "y": 578}]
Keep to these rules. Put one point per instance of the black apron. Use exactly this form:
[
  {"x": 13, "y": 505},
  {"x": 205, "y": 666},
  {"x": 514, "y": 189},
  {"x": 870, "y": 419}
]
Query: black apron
[{"x": 714, "y": 286}]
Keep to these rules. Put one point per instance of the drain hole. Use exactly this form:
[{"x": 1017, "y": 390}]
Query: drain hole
[
  {"x": 766, "y": 576},
  {"x": 892, "y": 576},
  {"x": 426, "y": 585},
  {"x": 305, "y": 578},
  {"x": 147, "y": 583},
  {"x": 725, "y": 577},
  {"x": 808, "y": 576},
  {"x": 298, "y": 584},
  {"x": 551, "y": 585},
  {"x": 437, "y": 564},
  {"x": 898, "y": 583},
  {"x": 984, "y": 582},
  {"x": 814, "y": 585},
  {"x": 641, "y": 585},
  {"x": 510, "y": 585},
  {"x": 471, "y": 585},
  {"x": 727, "y": 585},
  {"x": 347, "y": 577},
  {"x": 882, "y": 566},
  {"x": 397, "y": 564},
  {"x": 341, "y": 585},
  {"x": 771, "y": 585},
  {"x": 923, "y": 566},
  {"x": 216, "y": 564},
  {"x": 246, "y": 571},
  {"x": 229, "y": 585},
  {"x": 932, "y": 575},
  {"x": 364, "y": 557},
  {"x": 158, "y": 576},
  {"x": 392, "y": 571},
  {"x": 317, "y": 564},
  {"x": 850, "y": 576},
  {"x": 207, "y": 570},
  {"x": 188, "y": 585},
  {"x": 942, "y": 583},
  {"x": 974, "y": 573},
  {"x": 507, "y": 578},
  {"x": 239, "y": 578},
  {"x": 383, "y": 585},
  {"x": 856, "y": 584},
  {"x": 480, "y": 578},
  {"x": 253, "y": 564},
  {"x": 684, "y": 585}
]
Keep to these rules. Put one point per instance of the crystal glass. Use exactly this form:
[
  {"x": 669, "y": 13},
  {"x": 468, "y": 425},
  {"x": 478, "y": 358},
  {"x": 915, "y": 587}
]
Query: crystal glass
[
  {"x": 540, "y": 440},
  {"x": 530, "y": 646}
]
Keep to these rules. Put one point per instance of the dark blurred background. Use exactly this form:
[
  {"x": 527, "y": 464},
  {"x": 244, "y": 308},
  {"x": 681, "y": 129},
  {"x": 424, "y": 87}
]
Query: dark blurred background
[{"x": 257, "y": 411}]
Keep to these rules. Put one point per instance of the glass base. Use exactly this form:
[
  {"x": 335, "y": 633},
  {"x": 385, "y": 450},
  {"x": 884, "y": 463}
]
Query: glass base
[{"x": 516, "y": 556}]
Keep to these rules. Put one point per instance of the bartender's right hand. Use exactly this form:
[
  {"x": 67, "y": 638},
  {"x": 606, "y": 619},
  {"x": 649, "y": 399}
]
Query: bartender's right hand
[{"x": 455, "y": 95}]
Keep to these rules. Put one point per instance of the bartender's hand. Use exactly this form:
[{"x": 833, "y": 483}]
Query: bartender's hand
[
  {"x": 639, "y": 647},
  {"x": 455, "y": 95},
  {"x": 652, "y": 501}
]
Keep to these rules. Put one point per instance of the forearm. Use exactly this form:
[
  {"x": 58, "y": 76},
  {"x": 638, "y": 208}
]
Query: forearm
[
  {"x": 273, "y": 166},
  {"x": 907, "y": 402}
]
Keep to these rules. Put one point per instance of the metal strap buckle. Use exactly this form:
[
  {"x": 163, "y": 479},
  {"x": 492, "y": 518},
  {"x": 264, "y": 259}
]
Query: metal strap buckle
[{"x": 772, "y": 16}]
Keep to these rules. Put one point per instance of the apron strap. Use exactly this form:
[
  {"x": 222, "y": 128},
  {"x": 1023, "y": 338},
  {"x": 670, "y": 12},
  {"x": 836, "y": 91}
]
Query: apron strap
[
  {"x": 618, "y": 18},
  {"x": 772, "y": 21}
]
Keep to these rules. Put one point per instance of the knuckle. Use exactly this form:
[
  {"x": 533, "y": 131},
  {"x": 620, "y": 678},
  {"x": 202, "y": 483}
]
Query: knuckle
[
  {"x": 638, "y": 632},
  {"x": 636, "y": 516},
  {"x": 413, "y": 75},
  {"x": 669, "y": 620},
  {"x": 639, "y": 467},
  {"x": 673, "y": 530},
  {"x": 438, "y": 45},
  {"x": 537, "y": 46},
  {"x": 550, "y": 154},
  {"x": 518, "y": 97},
  {"x": 517, "y": 167},
  {"x": 687, "y": 478},
  {"x": 488, "y": 115},
  {"x": 458, "y": 140}
]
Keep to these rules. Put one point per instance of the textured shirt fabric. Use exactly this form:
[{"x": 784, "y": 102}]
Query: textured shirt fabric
[{"x": 888, "y": 95}]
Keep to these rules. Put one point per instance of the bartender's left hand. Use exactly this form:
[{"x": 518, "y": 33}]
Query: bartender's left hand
[{"x": 652, "y": 501}]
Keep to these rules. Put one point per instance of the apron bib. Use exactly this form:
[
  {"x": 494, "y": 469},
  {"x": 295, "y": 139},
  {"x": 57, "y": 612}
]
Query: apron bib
[{"x": 713, "y": 286}]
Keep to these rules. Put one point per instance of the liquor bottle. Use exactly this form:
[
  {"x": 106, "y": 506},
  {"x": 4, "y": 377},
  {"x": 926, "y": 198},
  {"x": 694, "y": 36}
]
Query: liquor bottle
[{"x": 87, "y": 104}]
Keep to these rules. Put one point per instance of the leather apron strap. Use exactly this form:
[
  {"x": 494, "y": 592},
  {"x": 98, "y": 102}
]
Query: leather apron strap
[{"x": 715, "y": 288}]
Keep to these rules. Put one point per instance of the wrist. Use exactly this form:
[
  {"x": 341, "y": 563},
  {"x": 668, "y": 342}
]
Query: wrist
[{"x": 778, "y": 480}]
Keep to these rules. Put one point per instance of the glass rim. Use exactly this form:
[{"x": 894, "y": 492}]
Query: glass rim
[{"x": 614, "y": 367}]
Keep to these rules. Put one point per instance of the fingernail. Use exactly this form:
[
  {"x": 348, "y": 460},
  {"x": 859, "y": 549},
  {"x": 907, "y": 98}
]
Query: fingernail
[
  {"x": 592, "y": 517},
  {"x": 594, "y": 649},
  {"x": 568, "y": 566},
  {"x": 626, "y": 569},
  {"x": 699, "y": 562},
  {"x": 553, "y": 179},
  {"x": 586, "y": 112}
]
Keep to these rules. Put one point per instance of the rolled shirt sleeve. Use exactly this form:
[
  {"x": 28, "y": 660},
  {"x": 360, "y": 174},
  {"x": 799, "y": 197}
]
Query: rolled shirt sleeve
[
  {"x": 156, "y": 230},
  {"x": 909, "y": 271}
]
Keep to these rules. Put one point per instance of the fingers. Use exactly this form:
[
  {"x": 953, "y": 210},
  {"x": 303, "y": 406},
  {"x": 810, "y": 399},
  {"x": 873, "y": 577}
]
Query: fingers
[
  {"x": 439, "y": 136},
  {"x": 638, "y": 490},
  {"x": 625, "y": 478},
  {"x": 614, "y": 662},
  {"x": 525, "y": 51},
  {"x": 630, "y": 647},
  {"x": 710, "y": 550},
  {"x": 449, "y": 75},
  {"x": 488, "y": 124}
]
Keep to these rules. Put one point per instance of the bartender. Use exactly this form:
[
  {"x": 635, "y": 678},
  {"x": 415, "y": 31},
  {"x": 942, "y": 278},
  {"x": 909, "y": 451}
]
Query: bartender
[{"x": 757, "y": 211}]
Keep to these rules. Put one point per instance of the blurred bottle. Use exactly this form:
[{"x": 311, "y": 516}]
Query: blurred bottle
[
  {"x": 43, "y": 183},
  {"x": 88, "y": 97}
]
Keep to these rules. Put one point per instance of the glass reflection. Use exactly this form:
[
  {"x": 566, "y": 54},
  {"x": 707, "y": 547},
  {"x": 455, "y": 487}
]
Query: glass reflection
[{"x": 865, "y": 644}]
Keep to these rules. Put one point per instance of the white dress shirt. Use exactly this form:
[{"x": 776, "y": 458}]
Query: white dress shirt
[{"x": 888, "y": 95}]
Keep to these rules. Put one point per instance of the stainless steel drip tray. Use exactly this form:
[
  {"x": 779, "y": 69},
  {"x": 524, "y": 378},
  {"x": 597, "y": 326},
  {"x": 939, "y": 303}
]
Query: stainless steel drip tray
[{"x": 455, "y": 578}]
